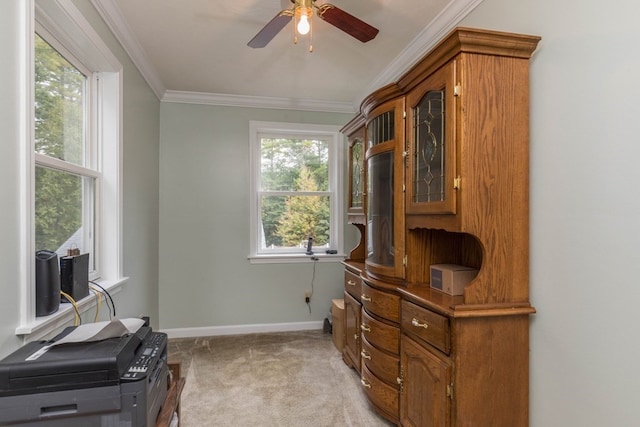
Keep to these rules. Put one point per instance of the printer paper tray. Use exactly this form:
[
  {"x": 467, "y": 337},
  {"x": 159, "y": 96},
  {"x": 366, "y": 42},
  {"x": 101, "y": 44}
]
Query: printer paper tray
[{"x": 61, "y": 405}]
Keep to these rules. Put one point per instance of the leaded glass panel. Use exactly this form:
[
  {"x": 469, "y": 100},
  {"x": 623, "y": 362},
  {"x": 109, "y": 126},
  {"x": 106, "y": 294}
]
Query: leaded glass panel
[
  {"x": 429, "y": 156},
  {"x": 357, "y": 173}
]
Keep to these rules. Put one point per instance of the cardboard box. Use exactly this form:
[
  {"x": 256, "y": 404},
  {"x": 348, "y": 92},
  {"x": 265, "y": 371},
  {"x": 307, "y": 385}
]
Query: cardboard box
[
  {"x": 337, "y": 323},
  {"x": 451, "y": 278}
]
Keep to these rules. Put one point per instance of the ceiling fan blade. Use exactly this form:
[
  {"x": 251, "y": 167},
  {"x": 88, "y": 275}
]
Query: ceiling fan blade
[
  {"x": 347, "y": 22},
  {"x": 270, "y": 30}
]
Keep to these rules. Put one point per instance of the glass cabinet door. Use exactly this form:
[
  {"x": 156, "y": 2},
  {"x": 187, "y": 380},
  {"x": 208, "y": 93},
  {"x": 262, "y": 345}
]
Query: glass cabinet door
[
  {"x": 381, "y": 248},
  {"x": 431, "y": 185},
  {"x": 356, "y": 173},
  {"x": 385, "y": 205}
]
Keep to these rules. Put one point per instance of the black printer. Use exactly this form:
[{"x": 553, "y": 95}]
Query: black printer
[{"x": 118, "y": 381}]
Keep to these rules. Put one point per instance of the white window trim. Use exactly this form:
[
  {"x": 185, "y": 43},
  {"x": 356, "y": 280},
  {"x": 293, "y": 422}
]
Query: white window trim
[
  {"x": 62, "y": 20},
  {"x": 337, "y": 180}
]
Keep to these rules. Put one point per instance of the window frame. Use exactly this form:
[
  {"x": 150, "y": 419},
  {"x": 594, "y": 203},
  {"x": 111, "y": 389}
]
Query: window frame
[
  {"x": 69, "y": 32},
  {"x": 335, "y": 191}
]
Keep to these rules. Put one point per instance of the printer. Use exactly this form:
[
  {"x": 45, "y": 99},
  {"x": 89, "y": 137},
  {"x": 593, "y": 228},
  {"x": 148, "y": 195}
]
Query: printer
[{"x": 120, "y": 381}]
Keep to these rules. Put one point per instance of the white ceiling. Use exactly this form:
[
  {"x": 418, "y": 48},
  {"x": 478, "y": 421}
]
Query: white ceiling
[{"x": 196, "y": 50}]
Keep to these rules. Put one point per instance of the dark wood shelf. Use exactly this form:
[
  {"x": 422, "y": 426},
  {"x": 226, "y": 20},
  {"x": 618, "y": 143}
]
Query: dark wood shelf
[{"x": 171, "y": 403}]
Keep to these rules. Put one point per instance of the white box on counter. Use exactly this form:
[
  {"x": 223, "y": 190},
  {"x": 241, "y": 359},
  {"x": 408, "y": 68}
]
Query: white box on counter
[{"x": 451, "y": 278}]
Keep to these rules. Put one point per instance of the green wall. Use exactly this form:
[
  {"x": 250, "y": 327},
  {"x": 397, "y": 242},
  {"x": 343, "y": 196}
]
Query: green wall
[{"x": 206, "y": 279}]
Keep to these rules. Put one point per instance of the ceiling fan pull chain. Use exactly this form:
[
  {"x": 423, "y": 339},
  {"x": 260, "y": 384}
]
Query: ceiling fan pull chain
[{"x": 311, "y": 39}]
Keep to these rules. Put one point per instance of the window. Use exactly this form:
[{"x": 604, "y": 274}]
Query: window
[
  {"x": 71, "y": 177},
  {"x": 66, "y": 174},
  {"x": 296, "y": 188}
]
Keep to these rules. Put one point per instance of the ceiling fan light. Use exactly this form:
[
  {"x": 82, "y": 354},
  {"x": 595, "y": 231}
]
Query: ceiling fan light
[
  {"x": 303, "y": 25},
  {"x": 304, "y": 16}
]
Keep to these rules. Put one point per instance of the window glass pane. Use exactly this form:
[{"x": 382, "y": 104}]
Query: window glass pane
[
  {"x": 64, "y": 211},
  {"x": 59, "y": 105},
  {"x": 289, "y": 221},
  {"x": 294, "y": 164}
]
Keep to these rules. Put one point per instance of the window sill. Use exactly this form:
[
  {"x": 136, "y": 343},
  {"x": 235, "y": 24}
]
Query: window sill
[
  {"x": 41, "y": 326},
  {"x": 295, "y": 258}
]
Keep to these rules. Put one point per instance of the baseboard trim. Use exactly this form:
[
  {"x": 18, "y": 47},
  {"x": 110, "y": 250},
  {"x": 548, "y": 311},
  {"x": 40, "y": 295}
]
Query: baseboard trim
[{"x": 209, "y": 331}]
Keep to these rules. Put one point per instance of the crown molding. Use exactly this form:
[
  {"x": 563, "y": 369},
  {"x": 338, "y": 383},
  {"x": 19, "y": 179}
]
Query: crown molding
[
  {"x": 112, "y": 16},
  {"x": 221, "y": 99},
  {"x": 441, "y": 25}
]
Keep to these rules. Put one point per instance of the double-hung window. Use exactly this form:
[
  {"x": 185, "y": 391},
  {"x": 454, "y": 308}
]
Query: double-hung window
[
  {"x": 72, "y": 151},
  {"x": 296, "y": 190},
  {"x": 67, "y": 179}
]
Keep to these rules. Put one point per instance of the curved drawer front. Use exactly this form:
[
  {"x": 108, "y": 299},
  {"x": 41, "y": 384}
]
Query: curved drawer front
[
  {"x": 381, "y": 335},
  {"x": 380, "y": 303},
  {"x": 382, "y": 365},
  {"x": 353, "y": 284},
  {"x": 380, "y": 394},
  {"x": 426, "y": 325}
]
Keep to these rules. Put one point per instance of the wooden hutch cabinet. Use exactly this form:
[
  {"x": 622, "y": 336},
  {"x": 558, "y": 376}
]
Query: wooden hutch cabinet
[{"x": 447, "y": 183}]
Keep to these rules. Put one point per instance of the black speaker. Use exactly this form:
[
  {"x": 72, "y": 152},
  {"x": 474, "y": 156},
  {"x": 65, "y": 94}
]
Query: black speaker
[
  {"x": 47, "y": 283},
  {"x": 74, "y": 275}
]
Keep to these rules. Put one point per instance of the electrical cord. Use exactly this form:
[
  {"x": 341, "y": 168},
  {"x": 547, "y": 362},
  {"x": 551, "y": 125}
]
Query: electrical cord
[
  {"x": 313, "y": 277},
  {"x": 113, "y": 305},
  {"x": 78, "y": 319},
  {"x": 103, "y": 294},
  {"x": 98, "y": 295}
]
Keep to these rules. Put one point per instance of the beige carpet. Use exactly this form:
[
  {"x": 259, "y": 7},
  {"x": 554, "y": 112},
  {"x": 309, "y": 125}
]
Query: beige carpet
[{"x": 271, "y": 379}]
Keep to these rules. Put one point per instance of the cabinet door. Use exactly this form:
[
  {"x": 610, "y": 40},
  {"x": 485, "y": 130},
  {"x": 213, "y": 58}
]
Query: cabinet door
[
  {"x": 352, "y": 331},
  {"x": 431, "y": 172},
  {"x": 426, "y": 379},
  {"x": 385, "y": 197},
  {"x": 356, "y": 173}
]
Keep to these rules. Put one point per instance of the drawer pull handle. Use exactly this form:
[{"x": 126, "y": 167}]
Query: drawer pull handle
[
  {"x": 365, "y": 298},
  {"x": 417, "y": 324},
  {"x": 365, "y": 328},
  {"x": 365, "y": 355},
  {"x": 365, "y": 383},
  {"x": 356, "y": 337},
  {"x": 351, "y": 283}
]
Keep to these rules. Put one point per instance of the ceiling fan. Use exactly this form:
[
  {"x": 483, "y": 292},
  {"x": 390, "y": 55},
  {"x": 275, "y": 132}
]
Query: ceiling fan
[{"x": 301, "y": 13}]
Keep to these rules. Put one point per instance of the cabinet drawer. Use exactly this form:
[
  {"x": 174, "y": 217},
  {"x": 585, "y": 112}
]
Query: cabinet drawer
[
  {"x": 382, "y": 365},
  {"x": 380, "y": 394},
  {"x": 353, "y": 284},
  {"x": 381, "y": 303},
  {"x": 381, "y": 335},
  {"x": 426, "y": 325}
]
